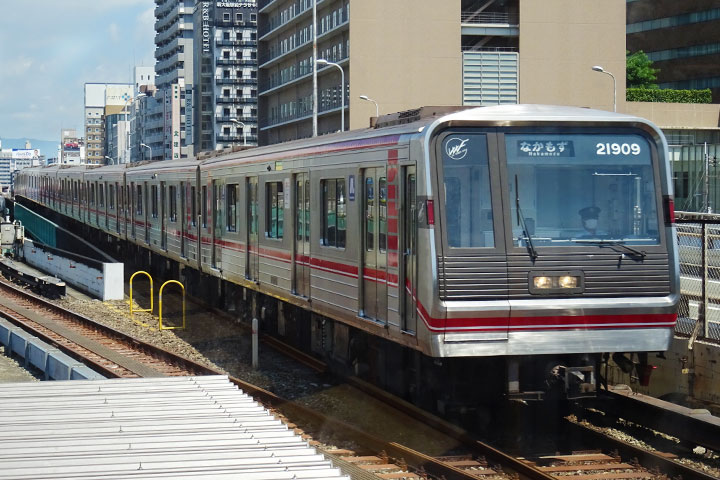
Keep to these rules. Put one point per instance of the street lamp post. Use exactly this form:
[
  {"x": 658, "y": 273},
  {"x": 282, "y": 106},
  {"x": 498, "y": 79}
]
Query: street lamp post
[
  {"x": 314, "y": 67},
  {"x": 112, "y": 162},
  {"x": 322, "y": 61},
  {"x": 238, "y": 122},
  {"x": 148, "y": 147},
  {"x": 128, "y": 146},
  {"x": 368, "y": 99},
  {"x": 598, "y": 68}
]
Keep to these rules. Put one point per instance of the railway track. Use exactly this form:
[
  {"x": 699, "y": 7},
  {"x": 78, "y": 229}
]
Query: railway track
[{"x": 92, "y": 343}]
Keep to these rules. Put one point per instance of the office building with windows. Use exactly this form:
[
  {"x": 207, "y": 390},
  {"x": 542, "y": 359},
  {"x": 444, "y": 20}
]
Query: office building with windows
[
  {"x": 102, "y": 100},
  {"x": 683, "y": 41},
  {"x": 225, "y": 88},
  {"x": 408, "y": 53},
  {"x": 169, "y": 121},
  {"x": 681, "y": 38}
]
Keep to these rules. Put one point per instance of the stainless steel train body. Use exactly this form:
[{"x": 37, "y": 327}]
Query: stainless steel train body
[{"x": 462, "y": 235}]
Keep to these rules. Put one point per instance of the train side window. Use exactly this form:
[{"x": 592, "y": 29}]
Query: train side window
[
  {"x": 370, "y": 214},
  {"x": 333, "y": 214},
  {"x": 275, "y": 208},
  {"x": 111, "y": 196},
  {"x": 382, "y": 214},
  {"x": 92, "y": 194},
  {"x": 154, "y": 201},
  {"x": 101, "y": 195},
  {"x": 172, "y": 203},
  {"x": 139, "y": 200},
  {"x": 204, "y": 206},
  {"x": 231, "y": 198}
]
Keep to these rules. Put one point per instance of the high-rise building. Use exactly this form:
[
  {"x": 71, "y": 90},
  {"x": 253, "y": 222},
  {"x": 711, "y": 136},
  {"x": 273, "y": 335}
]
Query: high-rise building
[
  {"x": 167, "y": 121},
  {"x": 681, "y": 38},
  {"x": 407, "y": 53},
  {"x": 225, "y": 89},
  {"x": 102, "y": 100}
]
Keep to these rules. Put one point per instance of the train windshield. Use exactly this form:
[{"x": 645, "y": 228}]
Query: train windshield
[{"x": 579, "y": 189}]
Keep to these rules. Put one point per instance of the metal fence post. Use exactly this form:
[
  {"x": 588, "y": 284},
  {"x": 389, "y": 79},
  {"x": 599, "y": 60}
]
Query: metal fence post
[{"x": 705, "y": 300}]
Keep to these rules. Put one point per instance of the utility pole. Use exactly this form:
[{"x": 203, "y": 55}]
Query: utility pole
[
  {"x": 314, "y": 67},
  {"x": 706, "y": 184}
]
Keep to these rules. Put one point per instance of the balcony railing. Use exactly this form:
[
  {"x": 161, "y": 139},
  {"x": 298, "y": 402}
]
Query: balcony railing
[
  {"x": 229, "y": 119},
  {"x": 323, "y": 107},
  {"x": 236, "y": 43},
  {"x": 236, "y": 99},
  {"x": 489, "y": 17},
  {"x": 238, "y": 138},
  {"x": 233, "y": 80},
  {"x": 236, "y": 61},
  {"x": 276, "y": 52},
  {"x": 299, "y": 71}
]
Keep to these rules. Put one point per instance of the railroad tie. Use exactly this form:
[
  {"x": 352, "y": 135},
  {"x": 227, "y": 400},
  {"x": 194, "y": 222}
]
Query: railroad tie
[{"x": 95, "y": 347}]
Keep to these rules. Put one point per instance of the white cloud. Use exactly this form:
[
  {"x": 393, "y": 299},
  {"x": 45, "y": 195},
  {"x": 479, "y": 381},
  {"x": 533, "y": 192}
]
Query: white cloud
[
  {"x": 18, "y": 66},
  {"x": 114, "y": 32}
]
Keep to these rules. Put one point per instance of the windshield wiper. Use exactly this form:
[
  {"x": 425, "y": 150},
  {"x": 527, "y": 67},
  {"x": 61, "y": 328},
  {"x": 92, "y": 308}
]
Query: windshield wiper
[
  {"x": 521, "y": 221},
  {"x": 612, "y": 243}
]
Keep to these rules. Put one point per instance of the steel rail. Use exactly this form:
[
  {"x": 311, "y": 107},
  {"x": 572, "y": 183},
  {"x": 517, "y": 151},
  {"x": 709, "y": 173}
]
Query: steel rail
[
  {"x": 680, "y": 422},
  {"x": 646, "y": 458}
]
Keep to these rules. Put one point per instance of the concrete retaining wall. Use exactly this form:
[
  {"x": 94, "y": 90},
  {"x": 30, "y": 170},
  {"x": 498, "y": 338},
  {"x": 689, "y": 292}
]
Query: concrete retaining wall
[
  {"x": 102, "y": 280},
  {"x": 38, "y": 354},
  {"x": 694, "y": 372}
]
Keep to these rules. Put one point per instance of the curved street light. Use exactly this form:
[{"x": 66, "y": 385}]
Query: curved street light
[
  {"x": 112, "y": 162},
  {"x": 148, "y": 147},
  {"x": 238, "y": 122},
  {"x": 368, "y": 99},
  {"x": 322, "y": 61},
  {"x": 598, "y": 68}
]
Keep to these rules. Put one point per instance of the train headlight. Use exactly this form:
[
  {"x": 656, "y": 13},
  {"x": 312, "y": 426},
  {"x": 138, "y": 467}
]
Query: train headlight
[
  {"x": 568, "y": 281},
  {"x": 542, "y": 282},
  {"x": 556, "y": 283}
]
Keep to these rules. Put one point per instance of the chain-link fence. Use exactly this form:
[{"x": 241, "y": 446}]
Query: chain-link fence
[{"x": 699, "y": 245}]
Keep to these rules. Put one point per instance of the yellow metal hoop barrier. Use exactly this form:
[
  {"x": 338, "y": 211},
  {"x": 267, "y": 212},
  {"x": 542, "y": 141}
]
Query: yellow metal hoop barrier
[
  {"x": 160, "y": 305},
  {"x": 133, "y": 310}
]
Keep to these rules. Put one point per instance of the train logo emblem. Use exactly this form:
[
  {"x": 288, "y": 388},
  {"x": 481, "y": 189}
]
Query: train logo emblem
[{"x": 456, "y": 149}]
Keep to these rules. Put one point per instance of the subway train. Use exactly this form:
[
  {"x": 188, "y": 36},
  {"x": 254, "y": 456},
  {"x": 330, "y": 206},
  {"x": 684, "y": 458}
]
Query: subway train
[{"x": 444, "y": 253}]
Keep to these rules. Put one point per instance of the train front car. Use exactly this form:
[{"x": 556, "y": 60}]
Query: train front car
[{"x": 553, "y": 244}]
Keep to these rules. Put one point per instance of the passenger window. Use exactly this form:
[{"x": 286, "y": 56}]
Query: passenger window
[
  {"x": 231, "y": 198},
  {"x": 333, "y": 205},
  {"x": 275, "y": 206}
]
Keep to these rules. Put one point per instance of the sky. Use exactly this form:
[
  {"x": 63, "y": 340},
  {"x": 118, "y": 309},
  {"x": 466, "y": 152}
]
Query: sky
[{"x": 50, "y": 48}]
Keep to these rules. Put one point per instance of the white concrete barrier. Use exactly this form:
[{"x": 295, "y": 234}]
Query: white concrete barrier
[{"x": 100, "y": 279}]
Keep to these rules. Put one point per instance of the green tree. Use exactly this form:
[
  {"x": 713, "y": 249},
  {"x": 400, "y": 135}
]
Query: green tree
[{"x": 640, "y": 73}]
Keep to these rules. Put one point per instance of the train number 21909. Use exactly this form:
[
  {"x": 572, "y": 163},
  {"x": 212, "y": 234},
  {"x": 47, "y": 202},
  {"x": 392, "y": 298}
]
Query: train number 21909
[{"x": 617, "y": 149}]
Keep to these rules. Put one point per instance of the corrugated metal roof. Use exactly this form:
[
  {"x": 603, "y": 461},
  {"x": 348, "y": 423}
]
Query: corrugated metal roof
[{"x": 177, "y": 427}]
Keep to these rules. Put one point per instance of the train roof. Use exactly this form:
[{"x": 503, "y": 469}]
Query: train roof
[{"x": 390, "y": 127}]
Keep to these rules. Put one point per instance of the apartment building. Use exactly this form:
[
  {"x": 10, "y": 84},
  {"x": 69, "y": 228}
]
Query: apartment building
[
  {"x": 167, "y": 124},
  {"x": 407, "y": 53},
  {"x": 101, "y": 100},
  {"x": 225, "y": 88}
]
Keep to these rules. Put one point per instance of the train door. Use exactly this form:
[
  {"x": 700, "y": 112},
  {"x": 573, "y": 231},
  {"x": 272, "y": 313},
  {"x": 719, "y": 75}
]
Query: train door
[
  {"x": 216, "y": 254},
  {"x": 147, "y": 215},
  {"x": 374, "y": 271},
  {"x": 409, "y": 251},
  {"x": 135, "y": 198},
  {"x": 163, "y": 219},
  {"x": 253, "y": 260},
  {"x": 183, "y": 218},
  {"x": 302, "y": 235},
  {"x": 119, "y": 205}
]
